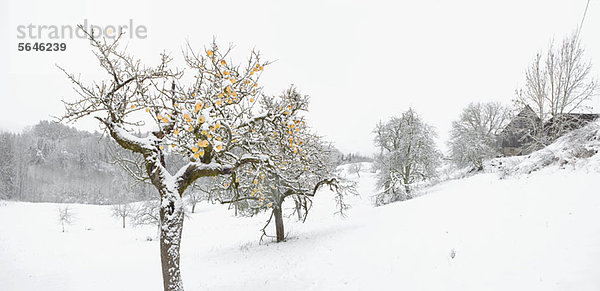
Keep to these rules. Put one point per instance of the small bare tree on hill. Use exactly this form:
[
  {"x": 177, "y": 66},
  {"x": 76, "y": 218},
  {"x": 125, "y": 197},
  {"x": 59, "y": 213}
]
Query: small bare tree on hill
[{"x": 65, "y": 216}]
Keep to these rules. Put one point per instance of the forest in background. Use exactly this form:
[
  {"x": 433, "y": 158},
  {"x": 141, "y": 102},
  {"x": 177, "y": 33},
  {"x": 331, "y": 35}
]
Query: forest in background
[{"x": 52, "y": 162}]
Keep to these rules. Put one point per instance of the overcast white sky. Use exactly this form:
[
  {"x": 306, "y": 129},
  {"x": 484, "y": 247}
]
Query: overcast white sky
[{"x": 360, "y": 62}]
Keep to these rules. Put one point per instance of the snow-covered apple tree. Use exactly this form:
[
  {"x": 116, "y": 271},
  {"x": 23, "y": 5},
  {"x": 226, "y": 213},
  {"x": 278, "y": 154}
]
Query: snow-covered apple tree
[
  {"x": 474, "y": 136},
  {"x": 211, "y": 120},
  {"x": 407, "y": 155},
  {"x": 300, "y": 165}
]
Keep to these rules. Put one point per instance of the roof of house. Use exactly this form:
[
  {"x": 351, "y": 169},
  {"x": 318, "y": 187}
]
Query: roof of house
[
  {"x": 523, "y": 120},
  {"x": 572, "y": 120}
]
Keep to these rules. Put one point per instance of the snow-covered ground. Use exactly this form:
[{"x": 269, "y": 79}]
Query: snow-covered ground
[{"x": 491, "y": 231}]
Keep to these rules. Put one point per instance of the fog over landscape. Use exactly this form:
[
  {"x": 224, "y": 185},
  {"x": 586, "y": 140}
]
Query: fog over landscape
[{"x": 362, "y": 62}]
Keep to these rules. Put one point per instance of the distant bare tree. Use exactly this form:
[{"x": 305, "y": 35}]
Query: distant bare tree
[
  {"x": 123, "y": 211},
  {"x": 65, "y": 216},
  {"x": 355, "y": 169},
  {"x": 557, "y": 83},
  {"x": 201, "y": 191},
  {"x": 147, "y": 213},
  {"x": 194, "y": 197}
]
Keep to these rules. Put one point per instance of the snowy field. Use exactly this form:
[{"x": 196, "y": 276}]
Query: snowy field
[{"x": 528, "y": 232}]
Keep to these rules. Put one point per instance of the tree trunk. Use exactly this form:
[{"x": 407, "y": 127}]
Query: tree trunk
[
  {"x": 298, "y": 208},
  {"x": 193, "y": 207},
  {"x": 479, "y": 165},
  {"x": 171, "y": 226},
  {"x": 123, "y": 221},
  {"x": 279, "y": 223}
]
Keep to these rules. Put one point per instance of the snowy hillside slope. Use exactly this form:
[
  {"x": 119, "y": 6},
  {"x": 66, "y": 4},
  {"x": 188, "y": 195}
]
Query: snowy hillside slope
[
  {"x": 525, "y": 232},
  {"x": 576, "y": 150}
]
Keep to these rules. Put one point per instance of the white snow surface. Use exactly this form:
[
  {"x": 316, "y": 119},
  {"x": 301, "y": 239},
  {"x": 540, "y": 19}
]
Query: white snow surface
[{"x": 537, "y": 231}]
